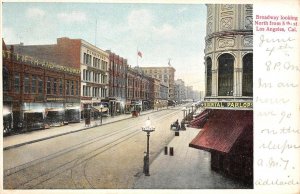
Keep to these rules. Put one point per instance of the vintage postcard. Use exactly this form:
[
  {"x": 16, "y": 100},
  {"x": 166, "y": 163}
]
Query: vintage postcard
[{"x": 166, "y": 97}]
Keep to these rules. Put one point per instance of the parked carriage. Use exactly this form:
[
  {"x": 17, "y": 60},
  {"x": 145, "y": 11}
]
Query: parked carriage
[{"x": 101, "y": 109}]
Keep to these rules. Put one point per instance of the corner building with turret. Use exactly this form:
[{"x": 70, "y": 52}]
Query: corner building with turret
[{"x": 227, "y": 119}]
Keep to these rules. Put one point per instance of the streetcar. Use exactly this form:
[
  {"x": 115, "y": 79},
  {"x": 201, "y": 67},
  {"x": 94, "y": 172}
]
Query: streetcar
[
  {"x": 33, "y": 120},
  {"x": 72, "y": 115},
  {"x": 7, "y": 122},
  {"x": 55, "y": 117}
]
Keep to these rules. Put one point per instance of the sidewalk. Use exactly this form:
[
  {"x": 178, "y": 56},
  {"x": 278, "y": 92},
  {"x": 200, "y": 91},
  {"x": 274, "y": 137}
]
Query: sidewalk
[
  {"x": 39, "y": 135},
  {"x": 189, "y": 168}
]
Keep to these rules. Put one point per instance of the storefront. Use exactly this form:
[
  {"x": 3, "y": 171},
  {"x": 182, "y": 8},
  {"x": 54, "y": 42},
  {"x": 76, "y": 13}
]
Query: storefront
[{"x": 228, "y": 136}]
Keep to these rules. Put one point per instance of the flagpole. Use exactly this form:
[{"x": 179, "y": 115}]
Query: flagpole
[{"x": 137, "y": 57}]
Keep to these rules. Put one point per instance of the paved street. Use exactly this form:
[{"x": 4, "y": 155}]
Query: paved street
[
  {"x": 107, "y": 156},
  {"x": 110, "y": 156}
]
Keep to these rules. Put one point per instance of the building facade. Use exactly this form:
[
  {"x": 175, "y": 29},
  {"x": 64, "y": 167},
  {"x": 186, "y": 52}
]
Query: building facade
[
  {"x": 189, "y": 92},
  {"x": 139, "y": 90},
  {"x": 229, "y": 51},
  {"x": 166, "y": 75},
  {"x": 77, "y": 53},
  {"x": 94, "y": 74},
  {"x": 180, "y": 91},
  {"x": 118, "y": 68},
  {"x": 36, "y": 85},
  {"x": 227, "y": 120}
]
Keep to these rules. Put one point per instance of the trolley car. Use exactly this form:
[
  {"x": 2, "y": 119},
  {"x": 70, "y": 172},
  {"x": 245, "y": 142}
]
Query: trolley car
[
  {"x": 72, "y": 114},
  {"x": 55, "y": 117}
]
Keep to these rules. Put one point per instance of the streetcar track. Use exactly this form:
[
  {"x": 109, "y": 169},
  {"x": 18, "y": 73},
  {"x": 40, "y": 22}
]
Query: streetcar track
[
  {"x": 85, "y": 176},
  {"x": 61, "y": 168},
  {"x": 73, "y": 181},
  {"x": 18, "y": 168}
]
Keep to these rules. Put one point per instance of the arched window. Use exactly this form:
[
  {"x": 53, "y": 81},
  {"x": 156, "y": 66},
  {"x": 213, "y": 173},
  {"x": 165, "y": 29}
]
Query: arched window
[
  {"x": 248, "y": 75},
  {"x": 225, "y": 75},
  {"x": 5, "y": 80},
  {"x": 208, "y": 76}
]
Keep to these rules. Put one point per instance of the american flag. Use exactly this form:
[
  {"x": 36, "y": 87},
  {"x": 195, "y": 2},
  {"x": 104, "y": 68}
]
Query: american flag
[{"x": 139, "y": 54}]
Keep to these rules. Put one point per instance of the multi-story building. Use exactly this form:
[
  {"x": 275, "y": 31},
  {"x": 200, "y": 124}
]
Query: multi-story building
[
  {"x": 139, "y": 90},
  {"x": 164, "y": 95},
  {"x": 118, "y": 68},
  {"x": 33, "y": 84},
  {"x": 189, "y": 92},
  {"x": 77, "y": 53},
  {"x": 94, "y": 73},
  {"x": 165, "y": 75},
  {"x": 228, "y": 103},
  {"x": 180, "y": 91}
]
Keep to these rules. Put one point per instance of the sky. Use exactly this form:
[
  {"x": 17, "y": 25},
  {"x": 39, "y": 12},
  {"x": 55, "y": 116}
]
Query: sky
[{"x": 159, "y": 31}]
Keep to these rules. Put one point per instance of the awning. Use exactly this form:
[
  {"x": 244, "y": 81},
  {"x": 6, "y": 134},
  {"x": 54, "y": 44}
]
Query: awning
[
  {"x": 223, "y": 129},
  {"x": 200, "y": 119}
]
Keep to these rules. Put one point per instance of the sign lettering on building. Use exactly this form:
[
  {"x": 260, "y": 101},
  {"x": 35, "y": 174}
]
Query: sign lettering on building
[
  {"x": 36, "y": 62},
  {"x": 247, "y": 105},
  {"x": 55, "y": 99}
]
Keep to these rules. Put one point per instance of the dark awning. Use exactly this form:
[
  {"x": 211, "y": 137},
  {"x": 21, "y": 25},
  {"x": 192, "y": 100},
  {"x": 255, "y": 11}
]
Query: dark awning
[
  {"x": 200, "y": 119},
  {"x": 222, "y": 130}
]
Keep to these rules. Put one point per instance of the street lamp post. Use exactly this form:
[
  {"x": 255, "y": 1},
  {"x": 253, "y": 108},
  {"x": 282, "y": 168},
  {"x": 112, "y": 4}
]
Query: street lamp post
[
  {"x": 183, "y": 109},
  {"x": 101, "y": 107},
  {"x": 148, "y": 129}
]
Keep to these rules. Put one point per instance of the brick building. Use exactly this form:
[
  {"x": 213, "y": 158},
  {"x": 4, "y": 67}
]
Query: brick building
[
  {"x": 36, "y": 84},
  {"x": 166, "y": 76},
  {"x": 77, "y": 53},
  {"x": 139, "y": 90},
  {"x": 118, "y": 68}
]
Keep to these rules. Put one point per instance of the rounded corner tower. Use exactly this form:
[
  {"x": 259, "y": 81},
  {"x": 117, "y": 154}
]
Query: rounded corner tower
[{"x": 229, "y": 52}]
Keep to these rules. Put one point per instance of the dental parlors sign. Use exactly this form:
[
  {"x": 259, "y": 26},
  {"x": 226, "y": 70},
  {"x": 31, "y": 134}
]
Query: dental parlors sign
[{"x": 227, "y": 105}]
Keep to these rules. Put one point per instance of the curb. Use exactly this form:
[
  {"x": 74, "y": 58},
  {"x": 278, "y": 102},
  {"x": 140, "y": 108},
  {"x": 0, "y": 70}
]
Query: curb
[{"x": 66, "y": 133}]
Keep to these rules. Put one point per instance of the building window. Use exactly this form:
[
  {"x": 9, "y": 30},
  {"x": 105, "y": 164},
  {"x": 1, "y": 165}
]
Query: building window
[
  {"x": 60, "y": 87},
  {"x": 77, "y": 88},
  {"x": 52, "y": 81},
  {"x": 48, "y": 85},
  {"x": 84, "y": 58},
  {"x": 165, "y": 78},
  {"x": 83, "y": 74},
  {"x": 248, "y": 75},
  {"x": 225, "y": 75},
  {"x": 33, "y": 84},
  {"x": 5, "y": 81},
  {"x": 55, "y": 86},
  {"x": 208, "y": 76},
  {"x": 72, "y": 87},
  {"x": 17, "y": 83},
  {"x": 83, "y": 91},
  {"x": 41, "y": 85},
  {"x": 26, "y": 84},
  {"x": 89, "y": 60},
  {"x": 68, "y": 87}
]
